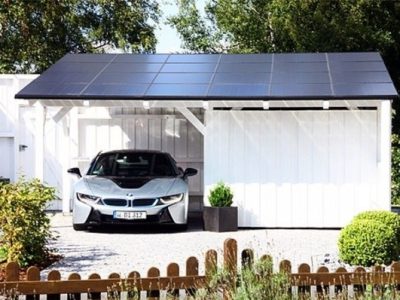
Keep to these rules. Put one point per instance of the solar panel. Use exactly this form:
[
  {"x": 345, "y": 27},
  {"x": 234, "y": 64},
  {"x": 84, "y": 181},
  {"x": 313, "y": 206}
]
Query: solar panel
[
  {"x": 357, "y": 66},
  {"x": 193, "y": 58},
  {"x": 299, "y": 57},
  {"x": 246, "y": 58},
  {"x": 358, "y": 56},
  {"x": 301, "y": 90},
  {"x": 245, "y": 67},
  {"x": 132, "y": 67},
  {"x": 289, "y": 67},
  {"x": 171, "y": 78},
  {"x": 366, "y": 77},
  {"x": 238, "y": 90},
  {"x": 67, "y": 67},
  {"x": 188, "y": 68},
  {"x": 101, "y": 90},
  {"x": 144, "y": 58},
  {"x": 297, "y": 77},
  {"x": 214, "y": 76},
  {"x": 124, "y": 78},
  {"x": 242, "y": 77},
  {"x": 364, "y": 89},
  {"x": 68, "y": 89},
  {"x": 177, "y": 90}
]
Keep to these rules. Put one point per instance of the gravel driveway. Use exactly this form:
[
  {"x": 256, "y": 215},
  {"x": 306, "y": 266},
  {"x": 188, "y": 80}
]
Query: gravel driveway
[{"x": 124, "y": 250}]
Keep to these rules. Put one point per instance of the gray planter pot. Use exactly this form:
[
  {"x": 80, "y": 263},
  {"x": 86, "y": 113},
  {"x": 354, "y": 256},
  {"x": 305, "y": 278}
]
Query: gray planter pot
[{"x": 220, "y": 219}]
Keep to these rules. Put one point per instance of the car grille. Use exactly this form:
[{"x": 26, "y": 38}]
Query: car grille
[
  {"x": 115, "y": 202},
  {"x": 143, "y": 202}
]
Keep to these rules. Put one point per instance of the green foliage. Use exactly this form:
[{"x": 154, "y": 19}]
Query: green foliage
[
  {"x": 25, "y": 227},
  {"x": 389, "y": 219},
  {"x": 395, "y": 169},
  {"x": 371, "y": 238},
  {"x": 291, "y": 25},
  {"x": 221, "y": 195},
  {"x": 35, "y": 34},
  {"x": 254, "y": 281}
]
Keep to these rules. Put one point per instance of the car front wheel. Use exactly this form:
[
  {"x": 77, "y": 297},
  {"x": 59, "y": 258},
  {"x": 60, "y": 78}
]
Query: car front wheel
[{"x": 79, "y": 227}]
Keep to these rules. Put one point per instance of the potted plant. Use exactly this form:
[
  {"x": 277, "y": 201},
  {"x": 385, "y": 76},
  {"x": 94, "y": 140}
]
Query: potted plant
[{"x": 220, "y": 216}]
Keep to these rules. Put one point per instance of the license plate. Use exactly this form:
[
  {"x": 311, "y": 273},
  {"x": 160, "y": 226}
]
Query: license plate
[{"x": 130, "y": 215}]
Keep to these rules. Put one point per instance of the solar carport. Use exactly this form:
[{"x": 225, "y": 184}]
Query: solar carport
[{"x": 303, "y": 139}]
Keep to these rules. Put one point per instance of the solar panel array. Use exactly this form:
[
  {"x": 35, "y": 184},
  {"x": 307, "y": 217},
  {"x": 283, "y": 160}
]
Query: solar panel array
[{"x": 214, "y": 76}]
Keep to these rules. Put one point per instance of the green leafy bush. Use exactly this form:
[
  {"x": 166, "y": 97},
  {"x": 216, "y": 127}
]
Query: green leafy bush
[
  {"x": 395, "y": 169},
  {"x": 371, "y": 238},
  {"x": 221, "y": 195},
  {"x": 25, "y": 227},
  {"x": 388, "y": 218}
]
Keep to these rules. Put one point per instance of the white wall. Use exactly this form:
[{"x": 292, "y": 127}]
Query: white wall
[
  {"x": 295, "y": 168},
  {"x": 9, "y": 123}
]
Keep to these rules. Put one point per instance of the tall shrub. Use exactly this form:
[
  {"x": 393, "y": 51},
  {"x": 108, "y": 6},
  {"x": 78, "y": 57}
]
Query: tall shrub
[{"x": 25, "y": 227}]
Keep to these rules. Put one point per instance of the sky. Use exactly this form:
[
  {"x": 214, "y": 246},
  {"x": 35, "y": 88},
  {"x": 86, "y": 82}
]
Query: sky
[{"x": 168, "y": 39}]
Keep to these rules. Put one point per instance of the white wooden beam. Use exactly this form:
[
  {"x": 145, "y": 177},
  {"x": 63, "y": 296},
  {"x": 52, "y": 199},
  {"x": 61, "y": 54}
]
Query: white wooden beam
[
  {"x": 40, "y": 120},
  {"x": 384, "y": 156},
  {"x": 66, "y": 179},
  {"x": 16, "y": 131},
  {"x": 61, "y": 113},
  {"x": 192, "y": 119}
]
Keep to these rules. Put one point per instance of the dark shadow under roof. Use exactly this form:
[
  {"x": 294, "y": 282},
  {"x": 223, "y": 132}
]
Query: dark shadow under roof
[{"x": 214, "y": 76}]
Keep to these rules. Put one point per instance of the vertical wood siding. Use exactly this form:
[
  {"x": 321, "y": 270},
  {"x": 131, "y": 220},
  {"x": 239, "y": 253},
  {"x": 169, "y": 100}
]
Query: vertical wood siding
[{"x": 295, "y": 168}]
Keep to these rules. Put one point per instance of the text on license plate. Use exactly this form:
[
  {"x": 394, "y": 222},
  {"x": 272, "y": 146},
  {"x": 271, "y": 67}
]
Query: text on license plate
[{"x": 130, "y": 215}]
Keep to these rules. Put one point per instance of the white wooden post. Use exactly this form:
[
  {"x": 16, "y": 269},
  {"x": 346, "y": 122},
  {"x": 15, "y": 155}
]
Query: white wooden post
[
  {"x": 16, "y": 129},
  {"x": 66, "y": 180},
  {"x": 40, "y": 120},
  {"x": 384, "y": 157},
  {"x": 74, "y": 150}
]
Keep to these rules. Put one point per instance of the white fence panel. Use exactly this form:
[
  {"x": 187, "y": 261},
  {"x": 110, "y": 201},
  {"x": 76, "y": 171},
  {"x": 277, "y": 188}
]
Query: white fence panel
[{"x": 294, "y": 168}]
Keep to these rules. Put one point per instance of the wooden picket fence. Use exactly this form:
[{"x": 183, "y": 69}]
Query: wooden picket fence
[{"x": 154, "y": 286}]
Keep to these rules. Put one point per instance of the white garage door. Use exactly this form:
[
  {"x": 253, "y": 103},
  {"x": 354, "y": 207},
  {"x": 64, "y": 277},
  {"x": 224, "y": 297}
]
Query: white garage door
[{"x": 295, "y": 168}]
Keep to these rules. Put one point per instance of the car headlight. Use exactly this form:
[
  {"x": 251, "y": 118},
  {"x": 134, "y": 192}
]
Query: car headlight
[
  {"x": 172, "y": 198},
  {"x": 89, "y": 199}
]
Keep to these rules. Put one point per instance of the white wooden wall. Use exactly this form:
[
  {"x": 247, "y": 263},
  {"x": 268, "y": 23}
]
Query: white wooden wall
[
  {"x": 142, "y": 129},
  {"x": 295, "y": 168},
  {"x": 9, "y": 123}
]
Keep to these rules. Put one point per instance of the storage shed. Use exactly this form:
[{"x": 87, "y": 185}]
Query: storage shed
[{"x": 303, "y": 139}]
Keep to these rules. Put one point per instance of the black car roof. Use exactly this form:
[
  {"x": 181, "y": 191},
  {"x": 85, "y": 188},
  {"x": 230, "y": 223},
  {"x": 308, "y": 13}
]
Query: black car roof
[{"x": 133, "y": 151}]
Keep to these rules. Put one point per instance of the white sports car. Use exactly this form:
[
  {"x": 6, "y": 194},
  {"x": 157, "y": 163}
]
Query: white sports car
[{"x": 131, "y": 187}]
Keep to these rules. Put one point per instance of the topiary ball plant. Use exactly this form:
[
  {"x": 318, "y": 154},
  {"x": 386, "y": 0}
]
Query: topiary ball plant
[
  {"x": 371, "y": 238},
  {"x": 221, "y": 195}
]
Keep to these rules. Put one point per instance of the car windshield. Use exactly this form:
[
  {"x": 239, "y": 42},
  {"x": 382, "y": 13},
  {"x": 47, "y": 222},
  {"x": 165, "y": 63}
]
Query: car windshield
[{"x": 132, "y": 165}]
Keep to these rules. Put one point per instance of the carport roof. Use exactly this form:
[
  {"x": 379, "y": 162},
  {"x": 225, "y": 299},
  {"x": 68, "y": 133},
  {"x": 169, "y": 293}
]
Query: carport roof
[{"x": 305, "y": 76}]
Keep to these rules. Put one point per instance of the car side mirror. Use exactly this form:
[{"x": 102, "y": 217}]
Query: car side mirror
[
  {"x": 75, "y": 171},
  {"x": 189, "y": 172}
]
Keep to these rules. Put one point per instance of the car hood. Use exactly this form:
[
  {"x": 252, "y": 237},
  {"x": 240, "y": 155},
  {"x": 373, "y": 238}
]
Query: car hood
[{"x": 147, "y": 186}]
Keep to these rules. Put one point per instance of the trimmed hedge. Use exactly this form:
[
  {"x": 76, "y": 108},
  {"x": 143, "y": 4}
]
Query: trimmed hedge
[{"x": 371, "y": 238}]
